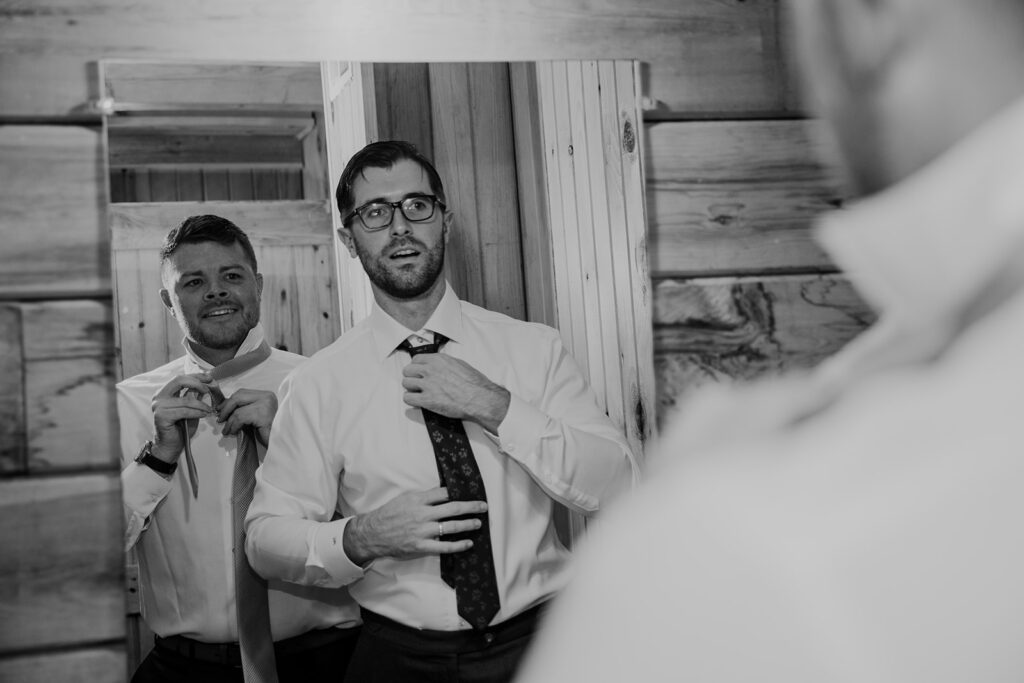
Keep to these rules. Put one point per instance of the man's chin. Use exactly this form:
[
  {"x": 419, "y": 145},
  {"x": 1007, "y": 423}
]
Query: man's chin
[{"x": 222, "y": 339}]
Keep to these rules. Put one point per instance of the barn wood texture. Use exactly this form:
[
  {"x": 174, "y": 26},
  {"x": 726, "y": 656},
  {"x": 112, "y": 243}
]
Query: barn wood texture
[{"x": 703, "y": 60}]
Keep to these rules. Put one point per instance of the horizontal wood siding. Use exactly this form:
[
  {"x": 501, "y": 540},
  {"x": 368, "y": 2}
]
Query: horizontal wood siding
[
  {"x": 183, "y": 85},
  {"x": 737, "y": 196},
  {"x": 742, "y": 328},
  {"x": 435, "y": 30},
  {"x": 52, "y": 197},
  {"x": 738, "y": 69},
  {"x": 735, "y": 178},
  {"x": 89, "y": 665},
  {"x": 63, "y": 563}
]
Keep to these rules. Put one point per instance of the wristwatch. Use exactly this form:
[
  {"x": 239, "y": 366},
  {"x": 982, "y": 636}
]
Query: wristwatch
[{"x": 146, "y": 457}]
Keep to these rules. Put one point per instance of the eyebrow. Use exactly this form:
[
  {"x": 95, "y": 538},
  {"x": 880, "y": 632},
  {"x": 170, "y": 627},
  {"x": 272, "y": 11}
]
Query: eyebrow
[
  {"x": 384, "y": 200},
  {"x": 191, "y": 273}
]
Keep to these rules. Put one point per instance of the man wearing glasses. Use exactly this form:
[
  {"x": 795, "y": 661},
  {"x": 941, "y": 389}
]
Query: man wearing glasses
[{"x": 418, "y": 459}]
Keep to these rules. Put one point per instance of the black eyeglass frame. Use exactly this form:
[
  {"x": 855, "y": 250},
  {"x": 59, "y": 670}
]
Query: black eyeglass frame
[{"x": 435, "y": 201}]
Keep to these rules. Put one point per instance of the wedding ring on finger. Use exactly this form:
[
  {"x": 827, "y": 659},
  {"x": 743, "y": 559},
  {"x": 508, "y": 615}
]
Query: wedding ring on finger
[{"x": 440, "y": 529}]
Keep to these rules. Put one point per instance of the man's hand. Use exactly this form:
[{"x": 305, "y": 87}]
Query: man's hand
[
  {"x": 170, "y": 407},
  {"x": 454, "y": 388},
  {"x": 407, "y": 526},
  {"x": 249, "y": 407}
]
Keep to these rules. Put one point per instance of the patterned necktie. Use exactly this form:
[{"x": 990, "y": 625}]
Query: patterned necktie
[
  {"x": 252, "y": 607},
  {"x": 470, "y": 573}
]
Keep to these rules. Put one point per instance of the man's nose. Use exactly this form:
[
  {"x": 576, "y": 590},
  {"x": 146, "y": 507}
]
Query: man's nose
[
  {"x": 215, "y": 293},
  {"x": 399, "y": 224}
]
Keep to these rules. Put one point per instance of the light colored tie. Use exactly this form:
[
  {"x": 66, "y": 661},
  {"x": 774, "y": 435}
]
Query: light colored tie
[
  {"x": 235, "y": 366},
  {"x": 252, "y": 607}
]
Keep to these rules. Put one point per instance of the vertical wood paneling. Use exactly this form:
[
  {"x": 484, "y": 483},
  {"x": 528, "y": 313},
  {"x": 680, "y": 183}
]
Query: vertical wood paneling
[
  {"x": 582, "y": 90},
  {"x": 314, "y": 162},
  {"x": 349, "y": 124},
  {"x": 474, "y": 153},
  {"x": 215, "y": 185},
  {"x": 590, "y": 119},
  {"x": 538, "y": 273},
  {"x": 497, "y": 214},
  {"x": 145, "y": 330},
  {"x": 453, "y": 158},
  {"x": 558, "y": 140},
  {"x": 403, "y": 104}
]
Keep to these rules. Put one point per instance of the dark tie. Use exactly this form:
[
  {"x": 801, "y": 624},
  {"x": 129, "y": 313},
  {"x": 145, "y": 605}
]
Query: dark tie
[
  {"x": 470, "y": 573},
  {"x": 252, "y": 609}
]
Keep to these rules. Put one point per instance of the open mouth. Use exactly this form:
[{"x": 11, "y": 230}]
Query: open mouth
[
  {"x": 406, "y": 253},
  {"x": 220, "y": 312}
]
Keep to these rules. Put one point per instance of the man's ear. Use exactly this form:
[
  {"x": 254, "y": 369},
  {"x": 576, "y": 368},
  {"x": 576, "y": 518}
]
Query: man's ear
[
  {"x": 259, "y": 285},
  {"x": 446, "y": 225},
  {"x": 165, "y": 296},
  {"x": 346, "y": 238}
]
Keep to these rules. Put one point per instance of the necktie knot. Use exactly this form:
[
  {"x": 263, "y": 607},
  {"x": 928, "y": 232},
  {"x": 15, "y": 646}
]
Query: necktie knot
[{"x": 439, "y": 341}]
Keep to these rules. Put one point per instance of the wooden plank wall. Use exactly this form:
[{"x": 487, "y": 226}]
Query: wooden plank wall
[
  {"x": 722, "y": 54},
  {"x": 589, "y": 133},
  {"x": 60, "y": 493},
  {"x": 734, "y": 179}
]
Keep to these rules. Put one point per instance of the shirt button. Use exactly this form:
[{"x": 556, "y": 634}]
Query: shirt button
[{"x": 488, "y": 638}]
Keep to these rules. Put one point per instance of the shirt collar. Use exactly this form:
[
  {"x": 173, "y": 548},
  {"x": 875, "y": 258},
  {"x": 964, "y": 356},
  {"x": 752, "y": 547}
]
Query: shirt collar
[
  {"x": 250, "y": 343},
  {"x": 388, "y": 333},
  {"x": 923, "y": 248}
]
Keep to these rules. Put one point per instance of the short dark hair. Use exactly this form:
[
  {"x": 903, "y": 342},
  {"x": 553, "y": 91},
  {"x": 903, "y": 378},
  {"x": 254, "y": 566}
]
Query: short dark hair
[
  {"x": 207, "y": 228},
  {"x": 382, "y": 154}
]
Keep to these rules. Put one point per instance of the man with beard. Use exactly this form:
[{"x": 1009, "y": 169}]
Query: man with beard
[
  {"x": 444, "y": 465},
  {"x": 861, "y": 522},
  {"x": 181, "y": 519}
]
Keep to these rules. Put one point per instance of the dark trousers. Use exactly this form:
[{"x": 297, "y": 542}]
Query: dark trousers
[
  {"x": 389, "y": 652},
  {"x": 325, "y": 659}
]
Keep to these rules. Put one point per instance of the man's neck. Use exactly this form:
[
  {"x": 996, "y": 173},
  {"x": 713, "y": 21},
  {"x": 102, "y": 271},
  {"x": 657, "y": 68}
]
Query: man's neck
[
  {"x": 413, "y": 313},
  {"x": 214, "y": 357}
]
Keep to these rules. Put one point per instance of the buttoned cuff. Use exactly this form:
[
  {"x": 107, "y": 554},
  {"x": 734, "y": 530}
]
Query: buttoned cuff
[
  {"x": 142, "y": 489},
  {"x": 327, "y": 552},
  {"x": 520, "y": 431}
]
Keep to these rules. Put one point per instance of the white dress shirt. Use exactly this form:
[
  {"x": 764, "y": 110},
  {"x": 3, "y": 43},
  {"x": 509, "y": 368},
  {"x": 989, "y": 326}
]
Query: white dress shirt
[
  {"x": 345, "y": 441},
  {"x": 862, "y": 523},
  {"x": 184, "y": 543}
]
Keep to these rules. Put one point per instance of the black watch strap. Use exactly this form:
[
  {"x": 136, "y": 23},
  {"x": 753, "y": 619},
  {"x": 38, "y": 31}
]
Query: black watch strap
[{"x": 154, "y": 463}]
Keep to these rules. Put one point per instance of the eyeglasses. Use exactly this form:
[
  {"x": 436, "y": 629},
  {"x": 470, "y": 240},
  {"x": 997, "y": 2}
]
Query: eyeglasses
[{"x": 378, "y": 215}]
